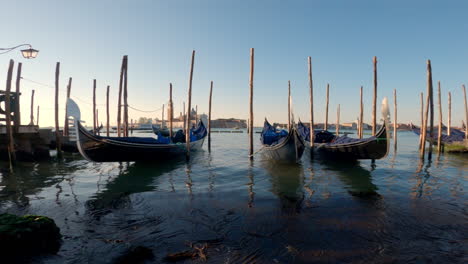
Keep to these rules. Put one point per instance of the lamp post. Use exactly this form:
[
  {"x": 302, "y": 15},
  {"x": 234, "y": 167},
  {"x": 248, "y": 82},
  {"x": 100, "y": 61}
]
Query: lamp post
[{"x": 28, "y": 53}]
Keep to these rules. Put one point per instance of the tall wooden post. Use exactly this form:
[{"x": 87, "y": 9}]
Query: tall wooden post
[
  {"x": 374, "y": 100},
  {"x": 9, "y": 131},
  {"x": 424, "y": 128},
  {"x": 338, "y": 121},
  {"x": 439, "y": 136},
  {"x": 94, "y": 107},
  {"x": 311, "y": 99},
  {"x": 196, "y": 114},
  {"x": 289, "y": 105},
  {"x": 57, "y": 128},
  {"x": 361, "y": 115},
  {"x": 422, "y": 121},
  {"x": 187, "y": 134},
  {"x": 449, "y": 119},
  {"x": 184, "y": 115},
  {"x": 162, "y": 118},
  {"x": 31, "y": 116},
  {"x": 125, "y": 116},
  {"x": 426, "y": 116},
  {"x": 65, "y": 125},
  {"x": 37, "y": 121},
  {"x": 209, "y": 116},
  {"x": 98, "y": 131},
  {"x": 119, "y": 105},
  {"x": 251, "y": 120},
  {"x": 107, "y": 111},
  {"x": 431, "y": 98},
  {"x": 466, "y": 111},
  {"x": 325, "y": 127},
  {"x": 395, "y": 122},
  {"x": 171, "y": 111},
  {"x": 17, "y": 97}
]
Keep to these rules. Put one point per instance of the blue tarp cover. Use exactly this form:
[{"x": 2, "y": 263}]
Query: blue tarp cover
[{"x": 272, "y": 136}]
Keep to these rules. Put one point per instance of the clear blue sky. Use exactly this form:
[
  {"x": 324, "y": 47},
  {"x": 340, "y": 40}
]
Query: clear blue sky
[{"x": 89, "y": 38}]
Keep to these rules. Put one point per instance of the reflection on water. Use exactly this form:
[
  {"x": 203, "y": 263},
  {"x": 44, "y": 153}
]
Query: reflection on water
[
  {"x": 286, "y": 182},
  {"x": 399, "y": 209}
]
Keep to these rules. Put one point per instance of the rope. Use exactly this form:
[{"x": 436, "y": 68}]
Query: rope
[
  {"x": 144, "y": 111},
  {"x": 256, "y": 152}
]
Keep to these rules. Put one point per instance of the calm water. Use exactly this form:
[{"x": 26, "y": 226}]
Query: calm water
[{"x": 395, "y": 210}]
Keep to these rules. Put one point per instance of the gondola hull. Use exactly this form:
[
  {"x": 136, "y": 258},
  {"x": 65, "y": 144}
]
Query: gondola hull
[
  {"x": 370, "y": 148},
  {"x": 289, "y": 150},
  {"x": 111, "y": 149},
  {"x": 373, "y": 149},
  {"x": 107, "y": 150}
]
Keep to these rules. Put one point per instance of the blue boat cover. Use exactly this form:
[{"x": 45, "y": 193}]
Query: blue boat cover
[
  {"x": 195, "y": 134},
  {"x": 272, "y": 136},
  {"x": 323, "y": 136},
  {"x": 455, "y": 135}
]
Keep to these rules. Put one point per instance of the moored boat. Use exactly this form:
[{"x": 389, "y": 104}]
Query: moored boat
[
  {"x": 281, "y": 145},
  {"x": 107, "y": 149},
  {"x": 344, "y": 147}
]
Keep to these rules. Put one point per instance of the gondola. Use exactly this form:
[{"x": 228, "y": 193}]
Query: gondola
[
  {"x": 160, "y": 131},
  {"x": 345, "y": 148},
  {"x": 106, "y": 149},
  {"x": 281, "y": 145},
  {"x": 455, "y": 135}
]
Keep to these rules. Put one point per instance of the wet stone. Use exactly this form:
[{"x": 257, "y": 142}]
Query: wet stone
[{"x": 28, "y": 235}]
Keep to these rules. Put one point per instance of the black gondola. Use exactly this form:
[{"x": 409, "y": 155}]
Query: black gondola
[
  {"x": 281, "y": 145},
  {"x": 344, "y": 147},
  {"x": 455, "y": 135},
  {"x": 107, "y": 149}
]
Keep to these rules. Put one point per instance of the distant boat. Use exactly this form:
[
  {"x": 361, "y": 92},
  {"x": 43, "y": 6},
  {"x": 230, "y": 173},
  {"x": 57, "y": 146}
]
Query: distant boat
[
  {"x": 281, "y": 145},
  {"x": 342, "y": 147},
  {"x": 107, "y": 149},
  {"x": 158, "y": 131},
  {"x": 455, "y": 135}
]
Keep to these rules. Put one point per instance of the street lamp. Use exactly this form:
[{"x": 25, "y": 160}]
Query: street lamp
[{"x": 29, "y": 53}]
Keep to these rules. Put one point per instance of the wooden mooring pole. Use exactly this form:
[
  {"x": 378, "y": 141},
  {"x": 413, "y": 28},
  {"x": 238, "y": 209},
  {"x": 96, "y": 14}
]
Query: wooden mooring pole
[
  {"x": 125, "y": 95},
  {"x": 98, "y": 131},
  {"x": 119, "y": 104},
  {"x": 107, "y": 111},
  {"x": 374, "y": 99},
  {"x": 466, "y": 112},
  {"x": 395, "y": 122},
  {"x": 439, "y": 135},
  {"x": 184, "y": 115},
  {"x": 325, "y": 127},
  {"x": 361, "y": 114},
  {"x": 57, "y": 128},
  {"x": 65, "y": 125},
  {"x": 9, "y": 131},
  {"x": 171, "y": 111},
  {"x": 31, "y": 116},
  {"x": 94, "y": 107},
  {"x": 209, "y": 116},
  {"x": 449, "y": 118},
  {"x": 251, "y": 86},
  {"x": 311, "y": 101},
  {"x": 289, "y": 105},
  {"x": 17, "y": 110},
  {"x": 423, "y": 130},
  {"x": 431, "y": 102},
  {"x": 189, "y": 105},
  {"x": 422, "y": 121},
  {"x": 162, "y": 118},
  {"x": 426, "y": 116},
  {"x": 338, "y": 121},
  {"x": 37, "y": 121}
]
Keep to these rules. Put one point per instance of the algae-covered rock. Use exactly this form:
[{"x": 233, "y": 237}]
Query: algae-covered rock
[{"x": 28, "y": 235}]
